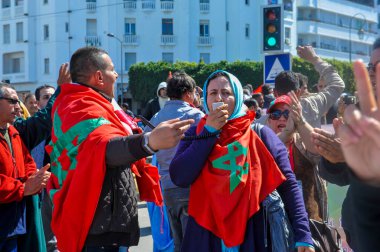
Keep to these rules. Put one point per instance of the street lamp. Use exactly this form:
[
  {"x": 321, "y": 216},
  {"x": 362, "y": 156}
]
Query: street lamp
[
  {"x": 360, "y": 30},
  {"x": 121, "y": 62}
]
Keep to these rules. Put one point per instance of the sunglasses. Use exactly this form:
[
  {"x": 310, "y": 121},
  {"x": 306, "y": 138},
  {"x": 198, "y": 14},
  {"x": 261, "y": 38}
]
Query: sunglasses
[
  {"x": 276, "y": 114},
  {"x": 372, "y": 67},
  {"x": 11, "y": 101}
]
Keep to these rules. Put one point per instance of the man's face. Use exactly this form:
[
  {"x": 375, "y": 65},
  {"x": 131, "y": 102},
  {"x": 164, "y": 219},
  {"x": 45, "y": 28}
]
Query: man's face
[
  {"x": 375, "y": 58},
  {"x": 9, "y": 106},
  {"x": 109, "y": 77},
  {"x": 32, "y": 105},
  {"x": 162, "y": 93},
  {"x": 45, "y": 95}
]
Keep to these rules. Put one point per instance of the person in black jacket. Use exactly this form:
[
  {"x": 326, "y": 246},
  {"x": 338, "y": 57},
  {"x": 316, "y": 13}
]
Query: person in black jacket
[{"x": 157, "y": 103}]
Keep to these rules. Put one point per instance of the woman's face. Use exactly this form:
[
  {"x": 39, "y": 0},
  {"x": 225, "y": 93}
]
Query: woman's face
[
  {"x": 219, "y": 90},
  {"x": 277, "y": 121}
]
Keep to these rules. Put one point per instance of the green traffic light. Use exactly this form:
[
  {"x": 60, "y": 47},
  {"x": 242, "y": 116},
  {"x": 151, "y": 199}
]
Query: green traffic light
[{"x": 271, "y": 41}]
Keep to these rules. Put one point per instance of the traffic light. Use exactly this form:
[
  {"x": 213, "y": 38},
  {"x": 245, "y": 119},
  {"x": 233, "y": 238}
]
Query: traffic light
[{"x": 273, "y": 27}]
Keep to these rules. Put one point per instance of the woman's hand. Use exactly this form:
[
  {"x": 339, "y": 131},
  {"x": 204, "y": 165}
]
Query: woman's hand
[
  {"x": 296, "y": 110},
  {"x": 218, "y": 117}
]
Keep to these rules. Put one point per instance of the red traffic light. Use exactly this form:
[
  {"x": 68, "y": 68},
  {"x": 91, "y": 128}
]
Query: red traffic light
[{"x": 271, "y": 15}]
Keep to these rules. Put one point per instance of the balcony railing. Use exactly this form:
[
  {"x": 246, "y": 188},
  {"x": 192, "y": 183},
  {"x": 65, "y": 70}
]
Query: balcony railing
[
  {"x": 92, "y": 41},
  {"x": 130, "y": 5},
  {"x": 168, "y": 39},
  {"x": 167, "y": 5},
  {"x": 204, "y": 7},
  {"x": 91, "y": 7},
  {"x": 148, "y": 4},
  {"x": 130, "y": 39},
  {"x": 205, "y": 41},
  {"x": 6, "y": 13}
]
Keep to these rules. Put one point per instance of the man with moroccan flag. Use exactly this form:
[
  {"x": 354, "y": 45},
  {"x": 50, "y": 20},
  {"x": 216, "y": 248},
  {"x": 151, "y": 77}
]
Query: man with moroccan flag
[{"x": 92, "y": 155}]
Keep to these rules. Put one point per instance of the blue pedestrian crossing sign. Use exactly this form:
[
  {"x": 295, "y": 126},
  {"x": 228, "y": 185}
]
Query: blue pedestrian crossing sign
[{"x": 275, "y": 64}]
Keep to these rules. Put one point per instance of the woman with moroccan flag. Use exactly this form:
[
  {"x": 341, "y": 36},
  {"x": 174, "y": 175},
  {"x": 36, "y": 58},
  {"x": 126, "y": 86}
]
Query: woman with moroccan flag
[{"x": 231, "y": 170}]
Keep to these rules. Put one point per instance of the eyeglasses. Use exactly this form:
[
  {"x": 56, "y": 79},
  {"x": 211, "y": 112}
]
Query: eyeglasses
[
  {"x": 276, "y": 114},
  {"x": 372, "y": 67},
  {"x": 11, "y": 101}
]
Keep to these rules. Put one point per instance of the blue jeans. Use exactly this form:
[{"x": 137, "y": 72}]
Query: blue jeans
[
  {"x": 9, "y": 245},
  {"x": 177, "y": 202}
]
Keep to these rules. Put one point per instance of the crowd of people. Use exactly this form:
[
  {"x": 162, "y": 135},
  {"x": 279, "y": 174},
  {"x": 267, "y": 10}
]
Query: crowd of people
[{"x": 73, "y": 166}]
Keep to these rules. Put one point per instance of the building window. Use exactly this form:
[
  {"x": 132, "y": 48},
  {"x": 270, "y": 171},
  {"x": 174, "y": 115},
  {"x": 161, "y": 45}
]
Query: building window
[
  {"x": 46, "y": 66},
  {"x": 205, "y": 57},
  {"x": 66, "y": 27},
  {"x": 288, "y": 36},
  {"x": 46, "y": 1},
  {"x": 91, "y": 27},
  {"x": 168, "y": 57},
  {"x": 247, "y": 31},
  {"x": 378, "y": 21},
  {"x": 227, "y": 26},
  {"x": 130, "y": 26},
  {"x": 288, "y": 5},
  {"x": 13, "y": 63},
  {"x": 246, "y": 2},
  {"x": 167, "y": 26},
  {"x": 130, "y": 59},
  {"x": 19, "y": 32},
  {"x": 19, "y": 2},
  {"x": 6, "y": 34},
  {"x": 204, "y": 28},
  {"x": 5, "y": 4},
  {"x": 46, "y": 32}
]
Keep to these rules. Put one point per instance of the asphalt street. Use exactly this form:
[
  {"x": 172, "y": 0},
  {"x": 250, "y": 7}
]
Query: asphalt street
[{"x": 146, "y": 242}]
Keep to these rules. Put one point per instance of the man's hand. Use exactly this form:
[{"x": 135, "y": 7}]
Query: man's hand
[
  {"x": 167, "y": 134},
  {"x": 361, "y": 132},
  {"x": 307, "y": 53},
  {"x": 328, "y": 145},
  {"x": 37, "y": 181},
  {"x": 64, "y": 74},
  {"x": 218, "y": 117}
]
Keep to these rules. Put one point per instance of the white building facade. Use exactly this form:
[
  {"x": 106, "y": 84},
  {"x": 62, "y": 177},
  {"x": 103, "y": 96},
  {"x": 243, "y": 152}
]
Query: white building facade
[{"x": 38, "y": 36}]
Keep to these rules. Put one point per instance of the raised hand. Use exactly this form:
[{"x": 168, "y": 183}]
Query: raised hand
[
  {"x": 361, "y": 132},
  {"x": 307, "y": 53},
  {"x": 167, "y": 134},
  {"x": 64, "y": 74}
]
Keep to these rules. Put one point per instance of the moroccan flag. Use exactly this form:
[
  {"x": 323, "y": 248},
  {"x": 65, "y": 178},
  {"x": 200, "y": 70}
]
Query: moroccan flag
[
  {"x": 83, "y": 123},
  {"x": 259, "y": 89},
  {"x": 237, "y": 176}
]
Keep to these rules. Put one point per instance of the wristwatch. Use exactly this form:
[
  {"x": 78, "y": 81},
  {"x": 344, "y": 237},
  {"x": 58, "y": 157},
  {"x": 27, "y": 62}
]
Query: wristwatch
[{"x": 146, "y": 144}]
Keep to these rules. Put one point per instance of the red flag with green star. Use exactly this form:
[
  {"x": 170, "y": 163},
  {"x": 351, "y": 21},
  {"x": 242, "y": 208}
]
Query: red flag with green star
[
  {"x": 238, "y": 174},
  {"x": 83, "y": 123}
]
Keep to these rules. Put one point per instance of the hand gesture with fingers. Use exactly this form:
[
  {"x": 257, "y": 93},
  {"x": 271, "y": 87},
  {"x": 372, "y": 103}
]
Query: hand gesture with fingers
[
  {"x": 360, "y": 133},
  {"x": 37, "y": 181},
  {"x": 64, "y": 74},
  {"x": 327, "y": 144},
  {"x": 167, "y": 134},
  {"x": 295, "y": 109}
]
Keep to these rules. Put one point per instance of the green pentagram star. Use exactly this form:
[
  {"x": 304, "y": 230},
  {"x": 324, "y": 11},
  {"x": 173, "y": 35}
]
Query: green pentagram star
[{"x": 235, "y": 149}]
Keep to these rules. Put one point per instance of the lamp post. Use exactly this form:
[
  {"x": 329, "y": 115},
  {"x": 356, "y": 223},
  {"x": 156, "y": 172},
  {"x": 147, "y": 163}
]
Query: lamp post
[
  {"x": 121, "y": 62},
  {"x": 360, "y": 30}
]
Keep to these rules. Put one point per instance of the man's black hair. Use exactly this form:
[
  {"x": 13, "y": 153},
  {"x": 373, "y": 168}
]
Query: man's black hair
[
  {"x": 86, "y": 61},
  {"x": 180, "y": 84},
  {"x": 266, "y": 89},
  {"x": 37, "y": 93},
  {"x": 285, "y": 82},
  {"x": 376, "y": 44},
  {"x": 251, "y": 102}
]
